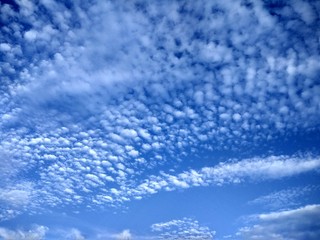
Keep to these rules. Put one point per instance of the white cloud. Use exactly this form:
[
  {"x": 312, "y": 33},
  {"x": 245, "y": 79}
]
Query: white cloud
[
  {"x": 124, "y": 235},
  {"x": 305, "y": 10},
  {"x": 19, "y": 195},
  {"x": 15, "y": 196},
  {"x": 5, "y": 47},
  {"x": 254, "y": 169},
  {"x": 284, "y": 199},
  {"x": 36, "y": 233},
  {"x": 128, "y": 133},
  {"x": 163, "y": 88},
  {"x": 133, "y": 153},
  {"x": 236, "y": 117},
  {"x": 272, "y": 167},
  {"x": 75, "y": 234},
  {"x": 199, "y": 97},
  {"x": 31, "y": 35},
  {"x": 144, "y": 133},
  {"x": 93, "y": 177},
  {"x": 185, "y": 228},
  {"x": 301, "y": 223}
]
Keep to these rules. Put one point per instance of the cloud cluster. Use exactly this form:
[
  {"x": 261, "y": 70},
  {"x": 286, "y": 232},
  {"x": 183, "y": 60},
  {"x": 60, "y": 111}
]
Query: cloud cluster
[
  {"x": 300, "y": 223},
  {"x": 17, "y": 198},
  {"x": 99, "y": 101},
  {"x": 185, "y": 228},
  {"x": 253, "y": 169},
  {"x": 76, "y": 187},
  {"x": 36, "y": 233}
]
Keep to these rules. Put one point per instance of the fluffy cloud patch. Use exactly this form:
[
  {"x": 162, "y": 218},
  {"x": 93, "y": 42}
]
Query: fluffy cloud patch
[{"x": 185, "y": 228}]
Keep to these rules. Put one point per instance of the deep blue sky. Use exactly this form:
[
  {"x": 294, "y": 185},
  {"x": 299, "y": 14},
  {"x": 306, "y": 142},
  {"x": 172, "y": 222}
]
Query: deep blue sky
[{"x": 160, "y": 120}]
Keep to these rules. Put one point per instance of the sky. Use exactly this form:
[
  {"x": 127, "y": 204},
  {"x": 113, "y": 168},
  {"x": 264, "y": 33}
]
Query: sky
[{"x": 160, "y": 119}]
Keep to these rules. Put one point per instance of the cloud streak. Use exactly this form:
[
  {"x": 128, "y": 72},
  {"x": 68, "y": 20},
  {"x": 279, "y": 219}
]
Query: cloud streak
[{"x": 247, "y": 170}]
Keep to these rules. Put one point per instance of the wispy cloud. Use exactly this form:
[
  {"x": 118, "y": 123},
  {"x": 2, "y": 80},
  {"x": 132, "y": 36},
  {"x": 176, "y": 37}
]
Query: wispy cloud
[{"x": 284, "y": 199}]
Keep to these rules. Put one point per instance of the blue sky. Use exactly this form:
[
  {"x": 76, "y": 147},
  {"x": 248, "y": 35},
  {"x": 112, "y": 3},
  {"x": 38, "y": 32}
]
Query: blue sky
[{"x": 159, "y": 120}]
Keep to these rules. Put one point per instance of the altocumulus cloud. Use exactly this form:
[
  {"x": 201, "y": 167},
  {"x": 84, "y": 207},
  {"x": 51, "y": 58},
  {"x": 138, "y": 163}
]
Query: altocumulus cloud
[
  {"x": 185, "y": 228},
  {"x": 233, "y": 172},
  {"x": 100, "y": 101}
]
